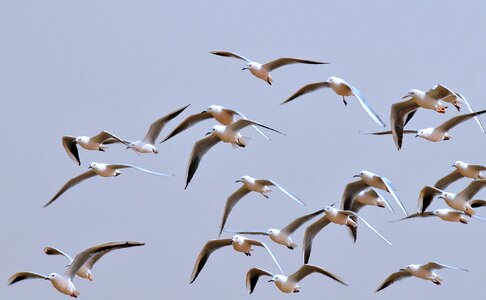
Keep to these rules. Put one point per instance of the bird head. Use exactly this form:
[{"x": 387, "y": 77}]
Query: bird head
[
  {"x": 276, "y": 278},
  {"x": 273, "y": 231},
  {"x": 412, "y": 93},
  {"x": 244, "y": 179},
  {"x": 52, "y": 276},
  {"x": 92, "y": 165},
  {"x": 248, "y": 66},
  {"x": 459, "y": 164},
  {"x": 362, "y": 174},
  {"x": 447, "y": 196},
  {"x": 237, "y": 238}
]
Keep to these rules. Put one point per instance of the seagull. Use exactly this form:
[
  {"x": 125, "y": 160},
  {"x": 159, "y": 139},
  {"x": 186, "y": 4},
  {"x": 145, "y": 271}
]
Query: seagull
[
  {"x": 445, "y": 214},
  {"x": 287, "y": 284},
  {"x": 85, "y": 270},
  {"x": 222, "y": 114},
  {"x": 147, "y": 144},
  {"x": 101, "y": 169},
  {"x": 228, "y": 134},
  {"x": 439, "y": 133},
  {"x": 64, "y": 283},
  {"x": 262, "y": 71},
  {"x": 342, "y": 88},
  {"x": 460, "y": 201},
  {"x": 96, "y": 142},
  {"x": 282, "y": 236},
  {"x": 239, "y": 243},
  {"x": 421, "y": 271},
  {"x": 365, "y": 197},
  {"x": 336, "y": 216},
  {"x": 251, "y": 184},
  {"x": 462, "y": 170},
  {"x": 369, "y": 179}
]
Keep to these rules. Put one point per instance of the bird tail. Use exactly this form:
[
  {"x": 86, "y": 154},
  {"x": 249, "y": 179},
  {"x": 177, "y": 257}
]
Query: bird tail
[{"x": 292, "y": 245}]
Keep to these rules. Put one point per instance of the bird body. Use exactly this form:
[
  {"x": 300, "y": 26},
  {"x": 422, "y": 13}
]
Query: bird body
[
  {"x": 425, "y": 101},
  {"x": 370, "y": 197},
  {"x": 338, "y": 216},
  {"x": 470, "y": 171},
  {"x": 254, "y": 186},
  {"x": 104, "y": 170}
]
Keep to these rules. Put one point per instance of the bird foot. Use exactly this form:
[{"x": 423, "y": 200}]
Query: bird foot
[
  {"x": 436, "y": 282},
  {"x": 441, "y": 109},
  {"x": 344, "y": 100},
  {"x": 247, "y": 253},
  {"x": 101, "y": 149}
]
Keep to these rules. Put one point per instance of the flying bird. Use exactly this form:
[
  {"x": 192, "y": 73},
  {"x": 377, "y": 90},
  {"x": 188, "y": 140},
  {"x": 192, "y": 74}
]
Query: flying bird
[
  {"x": 85, "y": 270},
  {"x": 287, "y": 284},
  {"x": 462, "y": 170},
  {"x": 101, "y": 169},
  {"x": 64, "y": 282},
  {"x": 96, "y": 143},
  {"x": 222, "y": 114},
  {"x": 420, "y": 271},
  {"x": 228, "y": 134},
  {"x": 342, "y": 88},
  {"x": 147, "y": 144},
  {"x": 439, "y": 133},
  {"x": 336, "y": 216},
  {"x": 369, "y": 179},
  {"x": 460, "y": 201},
  {"x": 251, "y": 184},
  {"x": 239, "y": 243},
  {"x": 282, "y": 236},
  {"x": 366, "y": 197},
  {"x": 262, "y": 71}
]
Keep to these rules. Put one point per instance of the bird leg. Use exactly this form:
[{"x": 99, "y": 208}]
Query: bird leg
[
  {"x": 344, "y": 100},
  {"x": 247, "y": 253},
  {"x": 436, "y": 281},
  {"x": 264, "y": 195},
  {"x": 101, "y": 149}
]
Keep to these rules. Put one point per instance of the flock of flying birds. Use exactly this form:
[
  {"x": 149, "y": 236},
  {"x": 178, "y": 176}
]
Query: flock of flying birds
[{"x": 356, "y": 195}]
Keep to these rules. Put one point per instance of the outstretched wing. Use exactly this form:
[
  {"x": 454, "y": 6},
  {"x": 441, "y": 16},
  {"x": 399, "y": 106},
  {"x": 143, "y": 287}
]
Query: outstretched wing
[
  {"x": 230, "y": 54},
  {"x": 307, "y": 89},
  {"x": 156, "y": 127},
  {"x": 392, "y": 279},
  {"x": 367, "y": 224},
  {"x": 74, "y": 181},
  {"x": 187, "y": 123},
  {"x": 295, "y": 224},
  {"x": 472, "y": 189},
  {"x": 445, "y": 181},
  {"x": 452, "y": 122},
  {"x": 270, "y": 183},
  {"x": 198, "y": 150},
  {"x": 69, "y": 144},
  {"x": 125, "y": 166},
  {"x": 367, "y": 106},
  {"x": 274, "y": 64},
  {"x": 55, "y": 251},
  {"x": 242, "y": 123},
  {"x": 309, "y": 235},
  {"x": 306, "y": 270},
  {"x": 206, "y": 251},
  {"x": 231, "y": 202},
  {"x": 436, "y": 266},
  {"x": 252, "y": 277},
  {"x": 426, "y": 196},
  {"x": 399, "y": 116}
]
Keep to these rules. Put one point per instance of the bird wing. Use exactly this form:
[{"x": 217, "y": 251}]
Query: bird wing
[
  {"x": 311, "y": 231},
  {"x": 94, "y": 259},
  {"x": 260, "y": 244},
  {"x": 477, "y": 168},
  {"x": 477, "y": 203},
  {"x": 25, "y": 275},
  {"x": 274, "y": 64},
  {"x": 69, "y": 144},
  {"x": 252, "y": 277},
  {"x": 415, "y": 215},
  {"x": 471, "y": 110},
  {"x": 156, "y": 127},
  {"x": 436, "y": 266},
  {"x": 85, "y": 255},
  {"x": 306, "y": 270},
  {"x": 104, "y": 136},
  {"x": 55, "y": 251},
  {"x": 295, "y": 224},
  {"x": 439, "y": 91},
  {"x": 366, "y": 106},
  {"x": 392, "y": 279},
  {"x": 125, "y": 166},
  {"x": 187, "y": 123},
  {"x": 231, "y": 202},
  {"x": 198, "y": 150},
  {"x": 452, "y": 122},
  {"x": 307, "y": 89},
  {"x": 206, "y": 251},
  {"x": 242, "y": 123},
  {"x": 234, "y": 112},
  {"x": 472, "y": 189},
  {"x": 389, "y": 132},
  {"x": 270, "y": 182},
  {"x": 245, "y": 232},
  {"x": 72, "y": 182},
  {"x": 393, "y": 191},
  {"x": 348, "y": 212},
  {"x": 445, "y": 181},
  {"x": 350, "y": 191},
  {"x": 399, "y": 112},
  {"x": 230, "y": 54},
  {"x": 426, "y": 196}
]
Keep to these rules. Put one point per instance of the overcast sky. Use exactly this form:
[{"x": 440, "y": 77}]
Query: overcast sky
[{"x": 78, "y": 67}]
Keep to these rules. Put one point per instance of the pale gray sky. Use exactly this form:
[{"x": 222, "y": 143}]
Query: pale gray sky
[{"x": 78, "y": 67}]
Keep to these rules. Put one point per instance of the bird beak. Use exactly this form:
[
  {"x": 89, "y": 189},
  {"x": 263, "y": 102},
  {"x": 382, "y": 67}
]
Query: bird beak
[
  {"x": 208, "y": 133},
  {"x": 401, "y": 269},
  {"x": 441, "y": 197},
  {"x": 453, "y": 166},
  {"x": 271, "y": 280},
  {"x": 90, "y": 167},
  {"x": 239, "y": 180},
  {"x": 355, "y": 175},
  {"x": 244, "y": 68},
  {"x": 405, "y": 96},
  {"x": 204, "y": 111},
  {"x": 417, "y": 135}
]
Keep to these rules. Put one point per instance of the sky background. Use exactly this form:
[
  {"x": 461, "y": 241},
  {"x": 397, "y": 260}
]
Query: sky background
[{"x": 79, "y": 67}]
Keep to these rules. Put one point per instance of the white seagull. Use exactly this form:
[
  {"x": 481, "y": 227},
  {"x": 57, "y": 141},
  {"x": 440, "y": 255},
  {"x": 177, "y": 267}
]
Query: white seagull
[
  {"x": 287, "y": 284},
  {"x": 101, "y": 169},
  {"x": 342, "y": 88},
  {"x": 228, "y": 134},
  {"x": 251, "y": 184},
  {"x": 439, "y": 133},
  {"x": 85, "y": 270},
  {"x": 239, "y": 243},
  {"x": 366, "y": 197},
  {"x": 64, "y": 282},
  {"x": 147, "y": 144},
  {"x": 420, "y": 271},
  {"x": 369, "y": 179},
  {"x": 462, "y": 170},
  {"x": 336, "y": 216},
  {"x": 460, "y": 201},
  {"x": 222, "y": 114},
  {"x": 445, "y": 214},
  {"x": 282, "y": 236},
  {"x": 96, "y": 143},
  {"x": 262, "y": 71}
]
